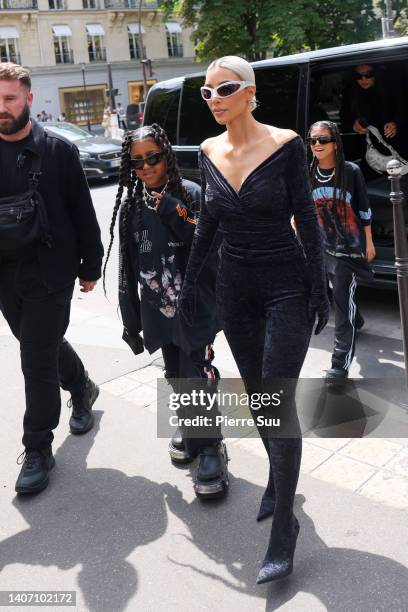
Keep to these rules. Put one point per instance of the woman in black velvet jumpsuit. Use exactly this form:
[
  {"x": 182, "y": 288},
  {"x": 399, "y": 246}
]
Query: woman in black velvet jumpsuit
[{"x": 269, "y": 286}]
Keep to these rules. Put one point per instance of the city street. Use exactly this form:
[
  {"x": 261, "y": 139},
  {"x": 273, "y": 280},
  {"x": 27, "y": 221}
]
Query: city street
[{"x": 121, "y": 526}]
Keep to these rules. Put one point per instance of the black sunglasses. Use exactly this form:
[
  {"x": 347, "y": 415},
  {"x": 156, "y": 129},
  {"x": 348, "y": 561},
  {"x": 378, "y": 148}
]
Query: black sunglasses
[
  {"x": 321, "y": 139},
  {"x": 152, "y": 160},
  {"x": 359, "y": 76}
]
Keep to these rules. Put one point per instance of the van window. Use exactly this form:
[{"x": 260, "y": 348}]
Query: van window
[
  {"x": 277, "y": 94},
  {"x": 162, "y": 108},
  {"x": 196, "y": 121}
]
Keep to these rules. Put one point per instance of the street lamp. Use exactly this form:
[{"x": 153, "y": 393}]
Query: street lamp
[
  {"x": 141, "y": 53},
  {"x": 85, "y": 97},
  {"x": 394, "y": 168}
]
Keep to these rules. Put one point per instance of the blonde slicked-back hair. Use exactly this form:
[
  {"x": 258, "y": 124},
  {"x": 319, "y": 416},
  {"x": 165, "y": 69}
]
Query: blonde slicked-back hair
[
  {"x": 241, "y": 67},
  {"x": 15, "y": 72}
]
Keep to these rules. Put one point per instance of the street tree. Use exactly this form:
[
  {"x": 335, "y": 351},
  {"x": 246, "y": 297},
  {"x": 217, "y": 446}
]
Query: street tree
[{"x": 255, "y": 27}]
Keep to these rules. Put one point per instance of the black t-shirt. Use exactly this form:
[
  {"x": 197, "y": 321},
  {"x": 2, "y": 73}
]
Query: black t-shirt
[
  {"x": 15, "y": 166},
  {"x": 341, "y": 218}
]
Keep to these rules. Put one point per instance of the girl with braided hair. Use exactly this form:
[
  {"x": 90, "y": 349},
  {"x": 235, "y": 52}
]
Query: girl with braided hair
[
  {"x": 344, "y": 214},
  {"x": 157, "y": 220}
]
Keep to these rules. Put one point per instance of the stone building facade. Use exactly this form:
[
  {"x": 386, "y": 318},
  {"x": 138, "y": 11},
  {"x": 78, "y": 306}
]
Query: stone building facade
[{"x": 69, "y": 45}]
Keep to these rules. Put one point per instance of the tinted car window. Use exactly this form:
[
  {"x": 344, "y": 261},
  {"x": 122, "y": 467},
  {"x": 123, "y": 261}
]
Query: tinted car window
[
  {"x": 196, "y": 121},
  {"x": 277, "y": 94},
  {"x": 162, "y": 108}
]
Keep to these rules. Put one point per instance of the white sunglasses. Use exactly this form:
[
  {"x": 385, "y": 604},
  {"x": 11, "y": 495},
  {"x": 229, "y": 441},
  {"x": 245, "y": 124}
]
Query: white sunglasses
[{"x": 229, "y": 88}]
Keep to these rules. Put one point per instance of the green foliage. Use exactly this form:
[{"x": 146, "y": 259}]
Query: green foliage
[{"x": 252, "y": 28}]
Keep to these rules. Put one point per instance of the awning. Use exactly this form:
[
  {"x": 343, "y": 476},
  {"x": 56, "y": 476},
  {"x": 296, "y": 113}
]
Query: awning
[
  {"x": 8, "y": 32},
  {"x": 95, "y": 29},
  {"x": 173, "y": 27},
  {"x": 134, "y": 28},
  {"x": 61, "y": 30}
]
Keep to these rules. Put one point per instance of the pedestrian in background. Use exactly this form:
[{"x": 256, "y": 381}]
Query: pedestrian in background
[
  {"x": 43, "y": 249},
  {"x": 344, "y": 214}
]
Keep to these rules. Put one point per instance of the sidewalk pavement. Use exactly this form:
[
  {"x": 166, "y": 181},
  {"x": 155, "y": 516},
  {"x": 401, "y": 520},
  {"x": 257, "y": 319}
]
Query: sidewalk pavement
[{"x": 121, "y": 526}]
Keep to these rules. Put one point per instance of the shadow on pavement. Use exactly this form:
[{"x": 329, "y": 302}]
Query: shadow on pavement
[
  {"x": 94, "y": 518},
  {"x": 341, "y": 578}
]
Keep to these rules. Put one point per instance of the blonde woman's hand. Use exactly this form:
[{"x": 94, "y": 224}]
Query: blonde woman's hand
[{"x": 370, "y": 251}]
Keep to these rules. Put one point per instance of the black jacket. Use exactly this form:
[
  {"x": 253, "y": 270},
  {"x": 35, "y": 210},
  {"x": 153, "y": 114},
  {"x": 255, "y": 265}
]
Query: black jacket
[
  {"x": 180, "y": 223},
  {"x": 76, "y": 249}
]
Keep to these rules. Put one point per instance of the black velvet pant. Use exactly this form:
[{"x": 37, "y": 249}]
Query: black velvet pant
[
  {"x": 263, "y": 309},
  {"x": 198, "y": 365},
  {"x": 39, "y": 320}
]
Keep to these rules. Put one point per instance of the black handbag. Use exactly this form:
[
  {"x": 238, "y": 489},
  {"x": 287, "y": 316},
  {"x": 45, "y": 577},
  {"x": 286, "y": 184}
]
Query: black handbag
[{"x": 24, "y": 217}]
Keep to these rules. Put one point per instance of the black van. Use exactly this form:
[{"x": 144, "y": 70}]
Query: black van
[{"x": 293, "y": 92}]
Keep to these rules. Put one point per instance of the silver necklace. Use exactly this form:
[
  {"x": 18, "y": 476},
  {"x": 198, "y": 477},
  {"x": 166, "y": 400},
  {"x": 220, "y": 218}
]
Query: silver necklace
[
  {"x": 148, "y": 196},
  {"x": 324, "y": 178}
]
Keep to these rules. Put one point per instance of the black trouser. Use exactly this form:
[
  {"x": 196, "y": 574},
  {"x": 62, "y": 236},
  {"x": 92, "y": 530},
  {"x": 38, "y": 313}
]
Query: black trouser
[
  {"x": 39, "y": 321},
  {"x": 264, "y": 312},
  {"x": 179, "y": 365},
  {"x": 346, "y": 314}
]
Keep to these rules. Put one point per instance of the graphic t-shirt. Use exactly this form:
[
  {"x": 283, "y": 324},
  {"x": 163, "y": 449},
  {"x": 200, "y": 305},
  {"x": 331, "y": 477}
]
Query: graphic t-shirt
[{"x": 342, "y": 216}]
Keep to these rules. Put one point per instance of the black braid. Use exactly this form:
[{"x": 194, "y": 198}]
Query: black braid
[
  {"x": 340, "y": 168},
  {"x": 125, "y": 180}
]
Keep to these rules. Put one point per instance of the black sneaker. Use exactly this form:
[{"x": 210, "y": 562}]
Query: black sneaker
[
  {"x": 177, "y": 449},
  {"x": 212, "y": 474},
  {"x": 82, "y": 419},
  {"x": 336, "y": 377},
  {"x": 34, "y": 474}
]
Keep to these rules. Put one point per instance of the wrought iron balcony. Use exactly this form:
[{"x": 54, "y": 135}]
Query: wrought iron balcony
[
  {"x": 11, "y": 57},
  {"x": 92, "y": 4},
  {"x": 130, "y": 4},
  {"x": 18, "y": 5},
  {"x": 64, "y": 57},
  {"x": 97, "y": 55}
]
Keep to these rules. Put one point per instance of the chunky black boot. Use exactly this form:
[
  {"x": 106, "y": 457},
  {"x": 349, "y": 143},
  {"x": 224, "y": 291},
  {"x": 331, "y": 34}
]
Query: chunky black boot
[
  {"x": 177, "y": 450},
  {"x": 278, "y": 561},
  {"x": 212, "y": 474},
  {"x": 34, "y": 474},
  {"x": 82, "y": 419},
  {"x": 336, "y": 377}
]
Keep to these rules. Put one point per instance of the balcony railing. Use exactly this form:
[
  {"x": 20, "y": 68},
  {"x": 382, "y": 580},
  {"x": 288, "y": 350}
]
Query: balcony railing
[
  {"x": 130, "y": 4},
  {"x": 18, "y": 5},
  {"x": 11, "y": 57},
  {"x": 175, "y": 51},
  {"x": 64, "y": 57},
  {"x": 98, "y": 55}
]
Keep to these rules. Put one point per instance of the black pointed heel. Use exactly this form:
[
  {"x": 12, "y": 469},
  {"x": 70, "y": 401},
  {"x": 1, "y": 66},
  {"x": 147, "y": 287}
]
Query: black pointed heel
[
  {"x": 278, "y": 562},
  {"x": 267, "y": 507}
]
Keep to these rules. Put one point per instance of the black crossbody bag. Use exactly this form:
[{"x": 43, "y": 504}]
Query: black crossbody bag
[{"x": 24, "y": 217}]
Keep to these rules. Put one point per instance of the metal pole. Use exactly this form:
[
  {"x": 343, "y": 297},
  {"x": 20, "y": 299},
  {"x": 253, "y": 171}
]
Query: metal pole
[
  {"x": 388, "y": 21},
  {"x": 86, "y": 98},
  {"x": 401, "y": 249},
  {"x": 111, "y": 94},
  {"x": 141, "y": 53}
]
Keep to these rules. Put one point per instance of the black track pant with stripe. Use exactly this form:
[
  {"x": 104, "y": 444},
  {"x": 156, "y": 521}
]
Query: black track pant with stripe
[{"x": 346, "y": 314}]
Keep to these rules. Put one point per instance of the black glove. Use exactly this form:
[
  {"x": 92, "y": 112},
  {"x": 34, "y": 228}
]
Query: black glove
[
  {"x": 187, "y": 303},
  {"x": 319, "y": 305},
  {"x": 135, "y": 342}
]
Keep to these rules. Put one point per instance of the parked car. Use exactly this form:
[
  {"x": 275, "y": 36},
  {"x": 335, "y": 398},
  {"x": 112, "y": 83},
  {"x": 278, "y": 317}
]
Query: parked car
[
  {"x": 100, "y": 156},
  {"x": 293, "y": 92},
  {"x": 134, "y": 115}
]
